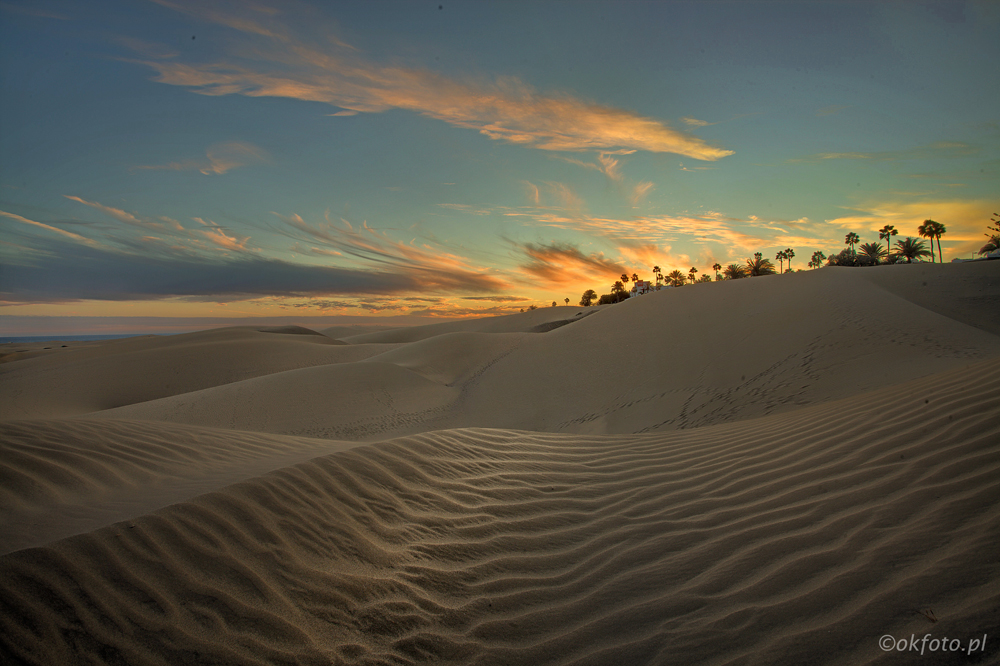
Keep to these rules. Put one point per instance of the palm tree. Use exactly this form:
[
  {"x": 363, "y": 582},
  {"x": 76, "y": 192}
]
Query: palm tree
[
  {"x": 781, "y": 256},
  {"x": 886, "y": 233},
  {"x": 759, "y": 265},
  {"x": 618, "y": 291},
  {"x": 588, "y": 299},
  {"x": 566, "y": 300},
  {"x": 691, "y": 274},
  {"x": 874, "y": 251},
  {"x": 817, "y": 259},
  {"x": 851, "y": 239},
  {"x": 911, "y": 249},
  {"x": 927, "y": 231},
  {"x": 939, "y": 230},
  {"x": 659, "y": 276},
  {"x": 635, "y": 278},
  {"x": 994, "y": 239},
  {"x": 705, "y": 278},
  {"x": 992, "y": 244},
  {"x": 677, "y": 278},
  {"x": 624, "y": 278},
  {"x": 716, "y": 267},
  {"x": 789, "y": 253},
  {"x": 734, "y": 272}
]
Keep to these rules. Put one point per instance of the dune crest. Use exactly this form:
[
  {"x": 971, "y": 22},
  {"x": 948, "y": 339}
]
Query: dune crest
[
  {"x": 772, "y": 540},
  {"x": 776, "y": 470}
]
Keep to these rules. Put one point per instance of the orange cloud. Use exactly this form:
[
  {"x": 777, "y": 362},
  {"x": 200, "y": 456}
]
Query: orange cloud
[
  {"x": 219, "y": 158},
  {"x": 68, "y": 234},
  {"x": 429, "y": 267},
  {"x": 507, "y": 109},
  {"x": 965, "y": 219},
  {"x": 564, "y": 264}
]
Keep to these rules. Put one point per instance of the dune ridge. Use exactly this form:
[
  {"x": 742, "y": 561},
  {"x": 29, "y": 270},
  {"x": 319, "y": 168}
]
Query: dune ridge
[
  {"x": 780, "y": 538},
  {"x": 777, "y": 470}
]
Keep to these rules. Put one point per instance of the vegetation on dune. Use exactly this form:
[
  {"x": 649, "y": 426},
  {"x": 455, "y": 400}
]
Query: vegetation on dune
[
  {"x": 759, "y": 265},
  {"x": 873, "y": 252},
  {"x": 855, "y": 254},
  {"x": 931, "y": 230},
  {"x": 734, "y": 272},
  {"x": 911, "y": 248},
  {"x": 994, "y": 238}
]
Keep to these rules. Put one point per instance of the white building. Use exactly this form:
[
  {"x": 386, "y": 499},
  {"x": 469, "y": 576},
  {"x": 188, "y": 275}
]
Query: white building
[{"x": 640, "y": 287}]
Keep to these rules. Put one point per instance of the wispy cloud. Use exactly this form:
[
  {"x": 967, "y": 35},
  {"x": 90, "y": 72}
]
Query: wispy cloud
[
  {"x": 496, "y": 299},
  {"x": 640, "y": 192},
  {"x": 465, "y": 208},
  {"x": 965, "y": 219},
  {"x": 694, "y": 122},
  {"x": 937, "y": 150},
  {"x": 432, "y": 268},
  {"x": 565, "y": 264},
  {"x": 283, "y": 64},
  {"x": 219, "y": 159},
  {"x": 165, "y": 235},
  {"x": 41, "y": 225}
]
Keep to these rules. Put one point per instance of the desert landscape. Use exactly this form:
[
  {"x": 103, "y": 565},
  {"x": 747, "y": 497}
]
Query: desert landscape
[{"x": 777, "y": 470}]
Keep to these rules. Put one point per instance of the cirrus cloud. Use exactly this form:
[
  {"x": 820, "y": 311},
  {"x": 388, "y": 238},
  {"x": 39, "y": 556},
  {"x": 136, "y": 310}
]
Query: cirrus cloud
[{"x": 281, "y": 63}]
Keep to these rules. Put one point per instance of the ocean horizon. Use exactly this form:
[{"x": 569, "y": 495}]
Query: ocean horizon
[{"x": 69, "y": 338}]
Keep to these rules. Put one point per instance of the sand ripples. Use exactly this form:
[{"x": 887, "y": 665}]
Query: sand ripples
[{"x": 795, "y": 538}]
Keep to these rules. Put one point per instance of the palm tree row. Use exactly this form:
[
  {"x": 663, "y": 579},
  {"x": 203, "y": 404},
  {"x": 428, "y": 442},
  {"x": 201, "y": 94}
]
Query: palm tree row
[{"x": 864, "y": 253}]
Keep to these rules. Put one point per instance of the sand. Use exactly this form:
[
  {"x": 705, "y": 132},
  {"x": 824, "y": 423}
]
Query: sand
[{"x": 777, "y": 470}]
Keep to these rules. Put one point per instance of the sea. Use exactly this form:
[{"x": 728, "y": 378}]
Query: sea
[{"x": 82, "y": 338}]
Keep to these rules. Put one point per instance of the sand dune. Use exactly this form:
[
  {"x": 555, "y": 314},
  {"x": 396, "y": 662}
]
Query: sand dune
[
  {"x": 778, "y": 470},
  {"x": 64, "y": 477},
  {"x": 674, "y": 359},
  {"x": 83, "y": 378},
  {"x": 792, "y": 538}
]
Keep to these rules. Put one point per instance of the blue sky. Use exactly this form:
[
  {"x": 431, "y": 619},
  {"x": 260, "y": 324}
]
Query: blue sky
[{"x": 211, "y": 159}]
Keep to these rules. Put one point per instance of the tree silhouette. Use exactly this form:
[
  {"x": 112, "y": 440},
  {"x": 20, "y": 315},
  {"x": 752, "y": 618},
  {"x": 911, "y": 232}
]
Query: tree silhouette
[
  {"x": 789, "y": 253},
  {"x": 658, "y": 274},
  {"x": 624, "y": 279},
  {"x": 911, "y": 249},
  {"x": 677, "y": 278},
  {"x": 691, "y": 273},
  {"x": 886, "y": 233},
  {"x": 716, "y": 267},
  {"x": 759, "y": 265},
  {"x": 874, "y": 251},
  {"x": 817, "y": 259},
  {"x": 781, "y": 256},
  {"x": 588, "y": 299},
  {"x": 851, "y": 239},
  {"x": 734, "y": 272},
  {"x": 994, "y": 239},
  {"x": 939, "y": 230},
  {"x": 566, "y": 300},
  {"x": 928, "y": 230}
]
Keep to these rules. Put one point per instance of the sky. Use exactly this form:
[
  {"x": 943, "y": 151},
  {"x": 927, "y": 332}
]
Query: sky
[{"x": 182, "y": 160}]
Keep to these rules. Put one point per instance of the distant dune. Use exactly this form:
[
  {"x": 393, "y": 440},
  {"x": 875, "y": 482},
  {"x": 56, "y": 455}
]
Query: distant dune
[{"x": 776, "y": 470}]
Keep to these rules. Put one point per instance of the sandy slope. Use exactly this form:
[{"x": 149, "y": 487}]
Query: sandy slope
[
  {"x": 794, "y": 538},
  {"x": 681, "y": 358},
  {"x": 83, "y": 378},
  {"x": 777, "y": 470}
]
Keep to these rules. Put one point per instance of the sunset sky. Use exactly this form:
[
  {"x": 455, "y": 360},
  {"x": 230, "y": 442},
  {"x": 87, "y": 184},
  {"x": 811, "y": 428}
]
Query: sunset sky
[{"x": 245, "y": 159}]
